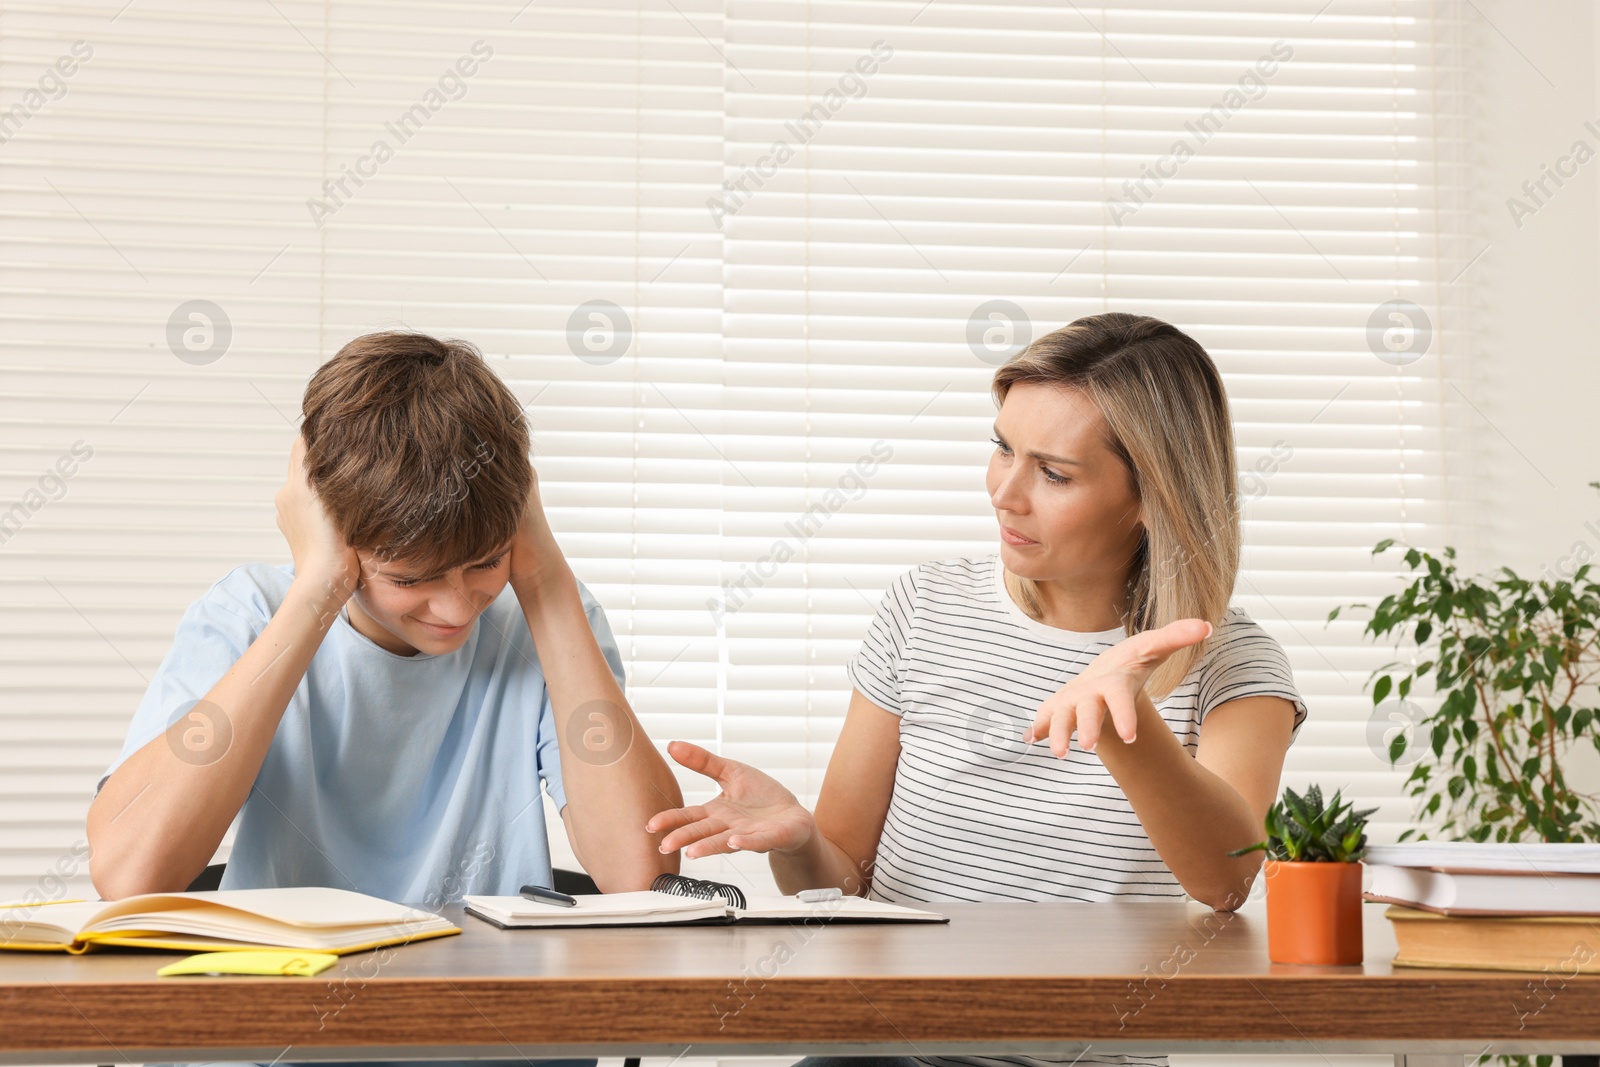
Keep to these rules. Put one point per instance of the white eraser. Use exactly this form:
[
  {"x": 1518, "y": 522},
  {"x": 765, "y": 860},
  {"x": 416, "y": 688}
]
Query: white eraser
[{"x": 817, "y": 896}]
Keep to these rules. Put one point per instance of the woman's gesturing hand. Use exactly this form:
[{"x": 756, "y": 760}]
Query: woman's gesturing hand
[
  {"x": 753, "y": 813},
  {"x": 1110, "y": 685}
]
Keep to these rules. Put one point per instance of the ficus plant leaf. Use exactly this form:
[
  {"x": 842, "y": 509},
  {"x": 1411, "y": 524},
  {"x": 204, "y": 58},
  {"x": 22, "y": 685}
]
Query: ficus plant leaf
[{"x": 1514, "y": 663}]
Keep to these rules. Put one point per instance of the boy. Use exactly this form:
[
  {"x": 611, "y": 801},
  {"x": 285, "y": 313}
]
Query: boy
[{"x": 377, "y": 714}]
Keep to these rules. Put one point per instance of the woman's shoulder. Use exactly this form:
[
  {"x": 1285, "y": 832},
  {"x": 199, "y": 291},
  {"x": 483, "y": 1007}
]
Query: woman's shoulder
[
  {"x": 1238, "y": 637},
  {"x": 924, "y": 593},
  {"x": 1236, "y": 623},
  {"x": 968, "y": 575},
  {"x": 1242, "y": 659}
]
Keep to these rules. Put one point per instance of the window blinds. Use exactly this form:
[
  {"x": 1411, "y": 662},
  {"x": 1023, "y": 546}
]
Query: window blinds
[
  {"x": 976, "y": 175},
  {"x": 751, "y": 266}
]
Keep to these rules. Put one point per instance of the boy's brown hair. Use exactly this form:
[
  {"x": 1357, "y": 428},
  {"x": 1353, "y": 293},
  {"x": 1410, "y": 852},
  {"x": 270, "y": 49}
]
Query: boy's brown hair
[{"x": 417, "y": 450}]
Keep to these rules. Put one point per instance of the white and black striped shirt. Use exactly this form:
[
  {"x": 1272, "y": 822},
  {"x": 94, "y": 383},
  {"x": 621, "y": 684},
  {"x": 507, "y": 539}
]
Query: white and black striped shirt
[{"x": 976, "y": 815}]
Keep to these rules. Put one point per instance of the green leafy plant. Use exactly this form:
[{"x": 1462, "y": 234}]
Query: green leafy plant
[
  {"x": 1304, "y": 830},
  {"x": 1515, "y": 662}
]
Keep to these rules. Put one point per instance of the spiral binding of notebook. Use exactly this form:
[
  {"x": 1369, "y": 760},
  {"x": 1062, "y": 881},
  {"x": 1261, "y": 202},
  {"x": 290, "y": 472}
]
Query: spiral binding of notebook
[{"x": 679, "y": 885}]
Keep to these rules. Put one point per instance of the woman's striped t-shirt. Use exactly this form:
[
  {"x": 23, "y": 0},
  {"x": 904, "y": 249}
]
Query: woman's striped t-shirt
[{"x": 976, "y": 815}]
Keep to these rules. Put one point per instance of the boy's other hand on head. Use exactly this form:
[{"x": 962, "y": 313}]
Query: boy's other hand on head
[
  {"x": 534, "y": 553},
  {"x": 320, "y": 552}
]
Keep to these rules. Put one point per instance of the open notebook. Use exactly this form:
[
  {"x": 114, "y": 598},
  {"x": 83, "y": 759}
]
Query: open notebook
[
  {"x": 305, "y": 918},
  {"x": 688, "y": 900}
]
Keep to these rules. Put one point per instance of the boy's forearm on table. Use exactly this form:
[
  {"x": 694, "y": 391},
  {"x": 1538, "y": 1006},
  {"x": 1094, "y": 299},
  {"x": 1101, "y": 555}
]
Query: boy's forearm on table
[
  {"x": 575, "y": 670},
  {"x": 159, "y": 819},
  {"x": 607, "y": 808},
  {"x": 615, "y": 784},
  {"x": 1193, "y": 817}
]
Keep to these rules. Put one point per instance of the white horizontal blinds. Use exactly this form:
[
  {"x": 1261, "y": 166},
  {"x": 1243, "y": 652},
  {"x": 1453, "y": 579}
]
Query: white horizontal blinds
[
  {"x": 984, "y": 160},
  {"x": 551, "y": 214},
  {"x": 156, "y": 173},
  {"x": 838, "y": 415},
  {"x": 549, "y": 210},
  {"x": 197, "y": 145},
  {"x": 793, "y": 413},
  {"x": 1335, "y": 185}
]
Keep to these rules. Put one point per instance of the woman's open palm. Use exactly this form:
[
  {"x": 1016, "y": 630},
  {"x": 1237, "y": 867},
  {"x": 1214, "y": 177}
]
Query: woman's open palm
[
  {"x": 753, "y": 813},
  {"x": 1110, "y": 686}
]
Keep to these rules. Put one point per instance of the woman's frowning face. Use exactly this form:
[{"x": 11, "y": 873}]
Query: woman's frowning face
[{"x": 1064, "y": 499}]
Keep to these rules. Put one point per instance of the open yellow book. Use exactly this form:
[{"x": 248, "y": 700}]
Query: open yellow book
[{"x": 304, "y": 918}]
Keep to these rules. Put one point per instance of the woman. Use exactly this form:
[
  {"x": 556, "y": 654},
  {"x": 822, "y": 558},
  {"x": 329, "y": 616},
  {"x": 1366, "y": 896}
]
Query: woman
[{"x": 955, "y": 777}]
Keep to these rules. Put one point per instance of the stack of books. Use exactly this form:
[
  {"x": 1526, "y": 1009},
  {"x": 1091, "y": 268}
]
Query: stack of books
[{"x": 1507, "y": 907}]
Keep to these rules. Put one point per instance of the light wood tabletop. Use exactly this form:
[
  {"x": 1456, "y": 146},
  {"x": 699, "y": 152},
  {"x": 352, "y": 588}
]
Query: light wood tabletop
[{"x": 1115, "y": 977}]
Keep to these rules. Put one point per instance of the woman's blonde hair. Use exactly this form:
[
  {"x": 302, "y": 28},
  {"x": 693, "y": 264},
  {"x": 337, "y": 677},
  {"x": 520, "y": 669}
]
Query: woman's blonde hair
[{"x": 1164, "y": 404}]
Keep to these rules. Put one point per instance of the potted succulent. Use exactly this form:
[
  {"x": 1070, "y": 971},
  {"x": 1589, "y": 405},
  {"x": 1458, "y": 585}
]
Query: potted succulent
[{"x": 1313, "y": 873}]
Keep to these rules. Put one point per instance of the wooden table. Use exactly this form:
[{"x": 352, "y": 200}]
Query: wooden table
[{"x": 998, "y": 978}]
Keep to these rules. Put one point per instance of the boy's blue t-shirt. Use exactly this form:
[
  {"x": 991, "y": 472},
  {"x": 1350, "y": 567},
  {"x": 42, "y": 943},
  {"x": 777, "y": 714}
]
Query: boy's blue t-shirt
[{"x": 411, "y": 778}]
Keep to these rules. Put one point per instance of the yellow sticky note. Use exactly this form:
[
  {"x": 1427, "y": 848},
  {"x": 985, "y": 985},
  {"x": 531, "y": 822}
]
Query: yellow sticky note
[{"x": 303, "y": 964}]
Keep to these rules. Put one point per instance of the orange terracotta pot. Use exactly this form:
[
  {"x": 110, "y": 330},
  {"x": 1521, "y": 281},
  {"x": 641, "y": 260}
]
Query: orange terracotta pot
[{"x": 1313, "y": 912}]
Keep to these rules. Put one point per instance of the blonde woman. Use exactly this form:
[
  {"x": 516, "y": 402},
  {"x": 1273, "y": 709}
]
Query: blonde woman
[{"x": 1105, "y": 615}]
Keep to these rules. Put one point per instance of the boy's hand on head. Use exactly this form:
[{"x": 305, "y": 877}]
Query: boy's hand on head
[
  {"x": 534, "y": 552},
  {"x": 320, "y": 553},
  {"x": 1109, "y": 687}
]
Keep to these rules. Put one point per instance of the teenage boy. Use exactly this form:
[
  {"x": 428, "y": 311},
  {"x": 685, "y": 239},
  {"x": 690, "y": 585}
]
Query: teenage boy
[{"x": 380, "y": 715}]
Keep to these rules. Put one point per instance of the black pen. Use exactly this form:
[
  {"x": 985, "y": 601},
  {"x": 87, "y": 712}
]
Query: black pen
[{"x": 548, "y": 896}]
